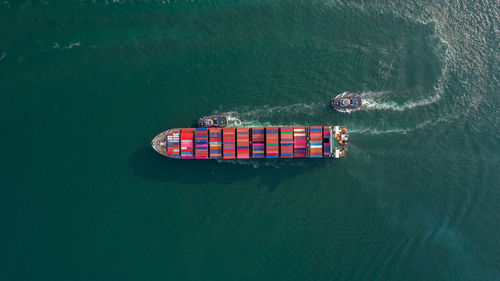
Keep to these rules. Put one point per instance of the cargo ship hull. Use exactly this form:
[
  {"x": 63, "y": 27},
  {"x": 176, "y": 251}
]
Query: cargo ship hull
[{"x": 252, "y": 142}]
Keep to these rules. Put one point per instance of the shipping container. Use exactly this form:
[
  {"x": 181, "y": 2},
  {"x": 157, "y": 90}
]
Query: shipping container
[
  {"x": 229, "y": 143},
  {"x": 299, "y": 141},
  {"x": 315, "y": 141},
  {"x": 243, "y": 143},
  {"x": 258, "y": 142},
  {"x": 215, "y": 143},
  {"x": 286, "y": 142},
  {"x": 272, "y": 140},
  {"x": 326, "y": 141},
  {"x": 201, "y": 143},
  {"x": 187, "y": 143},
  {"x": 173, "y": 140}
]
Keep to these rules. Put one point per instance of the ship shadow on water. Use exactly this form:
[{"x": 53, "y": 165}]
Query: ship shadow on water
[{"x": 269, "y": 173}]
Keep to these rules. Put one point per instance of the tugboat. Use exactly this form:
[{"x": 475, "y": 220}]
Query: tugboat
[
  {"x": 215, "y": 121},
  {"x": 346, "y": 103}
]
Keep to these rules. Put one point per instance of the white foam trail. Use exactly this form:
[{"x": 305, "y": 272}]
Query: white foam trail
[
  {"x": 245, "y": 116},
  {"x": 4, "y": 54},
  {"x": 302, "y": 108},
  {"x": 370, "y": 101},
  {"x": 71, "y": 45},
  {"x": 56, "y": 45},
  {"x": 234, "y": 120},
  {"x": 371, "y": 131},
  {"x": 371, "y": 104},
  {"x": 370, "y": 94}
]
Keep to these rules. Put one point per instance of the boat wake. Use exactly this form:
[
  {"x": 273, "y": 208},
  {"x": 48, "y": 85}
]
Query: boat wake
[
  {"x": 233, "y": 120},
  {"x": 70, "y": 45},
  {"x": 373, "y": 101},
  {"x": 248, "y": 117},
  {"x": 372, "y": 131},
  {"x": 372, "y": 104},
  {"x": 380, "y": 100}
]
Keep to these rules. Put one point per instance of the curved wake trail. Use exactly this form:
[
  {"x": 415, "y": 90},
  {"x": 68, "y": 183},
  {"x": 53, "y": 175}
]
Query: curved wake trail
[{"x": 248, "y": 117}]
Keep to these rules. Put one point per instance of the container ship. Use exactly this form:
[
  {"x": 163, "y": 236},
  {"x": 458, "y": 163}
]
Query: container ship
[{"x": 253, "y": 142}]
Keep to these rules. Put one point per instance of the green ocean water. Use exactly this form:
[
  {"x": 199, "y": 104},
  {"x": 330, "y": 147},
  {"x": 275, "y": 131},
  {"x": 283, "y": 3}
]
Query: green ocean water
[{"x": 86, "y": 85}]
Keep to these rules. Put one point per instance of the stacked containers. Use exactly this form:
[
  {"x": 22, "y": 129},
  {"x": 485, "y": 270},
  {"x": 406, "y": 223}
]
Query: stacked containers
[
  {"x": 201, "y": 143},
  {"x": 228, "y": 140},
  {"x": 326, "y": 141},
  {"x": 242, "y": 142},
  {"x": 215, "y": 143},
  {"x": 173, "y": 143},
  {"x": 187, "y": 143},
  {"x": 258, "y": 142},
  {"x": 286, "y": 142},
  {"x": 272, "y": 139},
  {"x": 315, "y": 141},
  {"x": 299, "y": 141}
]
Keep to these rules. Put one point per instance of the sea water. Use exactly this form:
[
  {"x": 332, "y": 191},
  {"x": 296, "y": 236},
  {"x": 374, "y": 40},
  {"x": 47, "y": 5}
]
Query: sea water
[{"x": 85, "y": 86}]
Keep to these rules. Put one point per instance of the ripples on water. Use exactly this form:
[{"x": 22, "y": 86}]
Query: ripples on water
[
  {"x": 399, "y": 96},
  {"x": 413, "y": 198}
]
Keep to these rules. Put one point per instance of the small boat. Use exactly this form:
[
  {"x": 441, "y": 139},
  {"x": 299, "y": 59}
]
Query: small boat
[
  {"x": 215, "y": 121},
  {"x": 346, "y": 103}
]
